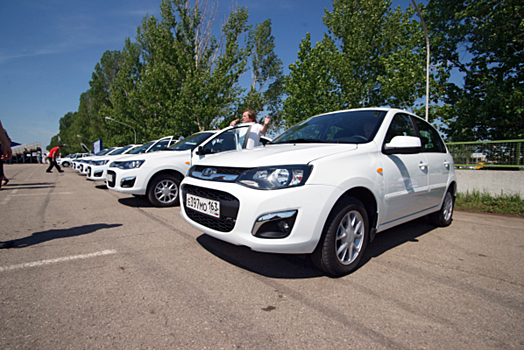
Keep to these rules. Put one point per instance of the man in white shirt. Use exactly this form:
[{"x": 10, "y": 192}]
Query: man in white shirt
[{"x": 256, "y": 130}]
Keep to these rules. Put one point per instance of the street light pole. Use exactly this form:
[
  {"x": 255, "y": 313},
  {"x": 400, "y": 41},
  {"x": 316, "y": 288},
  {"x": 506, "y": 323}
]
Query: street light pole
[
  {"x": 116, "y": 121},
  {"x": 427, "y": 57}
]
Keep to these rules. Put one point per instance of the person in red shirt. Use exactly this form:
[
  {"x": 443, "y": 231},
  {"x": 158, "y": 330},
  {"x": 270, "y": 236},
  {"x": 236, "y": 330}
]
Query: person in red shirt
[{"x": 51, "y": 157}]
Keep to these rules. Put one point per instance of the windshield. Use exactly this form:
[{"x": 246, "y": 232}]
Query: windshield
[
  {"x": 104, "y": 151},
  {"x": 338, "y": 127},
  {"x": 160, "y": 145},
  {"x": 141, "y": 149},
  {"x": 122, "y": 150},
  {"x": 191, "y": 141}
]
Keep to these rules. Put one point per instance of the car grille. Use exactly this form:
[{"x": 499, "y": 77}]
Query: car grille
[
  {"x": 111, "y": 183},
  {"x": 222, "y": 174},
  {"x": 228, "y": 208}
]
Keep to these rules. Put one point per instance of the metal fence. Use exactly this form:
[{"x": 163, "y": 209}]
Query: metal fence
[{"x": 488, "y": 154}]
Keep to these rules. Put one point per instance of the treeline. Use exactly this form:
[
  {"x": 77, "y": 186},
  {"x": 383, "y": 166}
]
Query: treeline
[{"x": 177, "y": 78}]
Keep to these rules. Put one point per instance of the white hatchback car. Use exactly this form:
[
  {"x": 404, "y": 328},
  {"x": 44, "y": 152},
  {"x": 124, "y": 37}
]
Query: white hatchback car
[
  {"x": 325, "y": 187},
  {"x": 158, "y": 175}
]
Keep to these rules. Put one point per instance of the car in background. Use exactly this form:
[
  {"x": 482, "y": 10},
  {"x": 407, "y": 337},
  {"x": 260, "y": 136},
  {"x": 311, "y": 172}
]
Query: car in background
[
  {"x": 325, "y": 187},
  {"x": 158, "y": 175},
  {"x": 64, "y": 161},
  {"x": 152, "y": 146},
  {"x": 96, "y": 168},
  {"x": 67, "y": 160},
  {"x": 79, "y": 163}
]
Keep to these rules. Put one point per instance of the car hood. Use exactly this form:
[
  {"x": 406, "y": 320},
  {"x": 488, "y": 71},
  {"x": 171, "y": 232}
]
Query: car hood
[{"x": 270, "y": 155}]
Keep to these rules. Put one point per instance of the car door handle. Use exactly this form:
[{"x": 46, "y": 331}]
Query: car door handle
[
  {"x": 446, "y": 164},
  {"x": 422, "y": 165}
]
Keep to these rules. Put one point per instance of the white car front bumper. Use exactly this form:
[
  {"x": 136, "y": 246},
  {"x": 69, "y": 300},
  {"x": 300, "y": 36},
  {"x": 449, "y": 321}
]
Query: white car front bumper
[
  {"x": 97, "y": 173},
  {"x": 262, "y": 210},
  {"x": 132, "y": 181}
]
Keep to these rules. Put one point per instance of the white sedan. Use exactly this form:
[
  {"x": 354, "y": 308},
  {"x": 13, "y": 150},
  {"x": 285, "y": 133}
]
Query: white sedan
[{"x": 325, "y": 187}]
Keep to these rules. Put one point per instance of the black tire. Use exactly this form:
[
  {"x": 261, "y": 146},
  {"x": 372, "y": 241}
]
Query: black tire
[
  {"x": 164, "y": 190},
  {"x": 65, "y": 164},
  {"x": 330, "y": 255},
  {"x": 444, "y": 216}
]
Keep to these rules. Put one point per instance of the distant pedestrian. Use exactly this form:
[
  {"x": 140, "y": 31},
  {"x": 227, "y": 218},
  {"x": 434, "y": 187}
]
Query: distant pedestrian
[
  {"x": 51, "y": 157},
  {"x": 39, "y": 158}
]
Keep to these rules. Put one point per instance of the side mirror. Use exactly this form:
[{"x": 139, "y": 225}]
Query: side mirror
[
  {"x": 200, "y": 151},
  {"x": 403, "y": 145}
]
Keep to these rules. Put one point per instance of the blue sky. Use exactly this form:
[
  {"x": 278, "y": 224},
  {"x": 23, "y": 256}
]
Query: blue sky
[{"x": 49, "y": 48}]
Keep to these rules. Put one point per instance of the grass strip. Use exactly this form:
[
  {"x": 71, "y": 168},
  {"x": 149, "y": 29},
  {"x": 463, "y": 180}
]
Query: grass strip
[{"x": 487, "y": 203}]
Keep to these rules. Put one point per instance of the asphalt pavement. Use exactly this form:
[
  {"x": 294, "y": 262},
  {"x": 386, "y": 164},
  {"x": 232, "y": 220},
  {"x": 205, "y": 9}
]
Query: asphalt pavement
[{"x": 92, "y": 268}]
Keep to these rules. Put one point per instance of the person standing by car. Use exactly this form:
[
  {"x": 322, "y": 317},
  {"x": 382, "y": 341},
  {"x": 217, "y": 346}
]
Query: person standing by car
[
  {"x": 51, "y": 157},
  {"x": 256, "y": 130}
]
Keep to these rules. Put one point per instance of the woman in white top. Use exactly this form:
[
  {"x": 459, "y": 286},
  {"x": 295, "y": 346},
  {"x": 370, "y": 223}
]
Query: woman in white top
[{"x": 256, "y": 130}]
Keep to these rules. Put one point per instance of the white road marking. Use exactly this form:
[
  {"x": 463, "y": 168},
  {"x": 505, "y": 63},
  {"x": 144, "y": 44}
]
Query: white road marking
[
  {"x": 14, "y": 194},
  {"x": 35, "y": 194},
  {"x": 58, "y": 260}
]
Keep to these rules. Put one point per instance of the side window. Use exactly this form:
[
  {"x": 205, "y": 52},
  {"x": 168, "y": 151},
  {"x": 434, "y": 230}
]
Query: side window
[
  {"x": 400, "y": 126},
  {"x": 159, "y": 146},
  {"x": 226, "y": 141},
  {"x": 429, "y": 137}
]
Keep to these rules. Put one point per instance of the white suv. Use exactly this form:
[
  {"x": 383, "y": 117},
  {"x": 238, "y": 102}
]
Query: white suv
[{"x": 325, "y": 187}]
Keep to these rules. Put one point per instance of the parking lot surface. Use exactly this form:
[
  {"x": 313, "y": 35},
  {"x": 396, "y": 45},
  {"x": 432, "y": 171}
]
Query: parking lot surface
[{"x": 93, "y": 268}]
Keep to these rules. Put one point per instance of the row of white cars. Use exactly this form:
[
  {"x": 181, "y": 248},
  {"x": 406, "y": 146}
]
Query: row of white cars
[
  {"x": 155, "y": 170},
  {"x": 325, "y": 187}
]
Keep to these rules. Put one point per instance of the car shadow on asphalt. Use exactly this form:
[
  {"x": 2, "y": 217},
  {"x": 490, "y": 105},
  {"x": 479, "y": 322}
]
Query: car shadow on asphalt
[
  {"x": 291, "y": 266},
  {"x": 396, "y": 236},
  {"x": 101, "y": 187},
  {"x": 49, "y": 235},
  {"x": 287, "y": 266}
]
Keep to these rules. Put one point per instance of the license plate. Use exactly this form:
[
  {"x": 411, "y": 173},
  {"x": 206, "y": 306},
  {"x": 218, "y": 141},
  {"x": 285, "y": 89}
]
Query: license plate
[
  {"x": 203, "y": 205},
  {"x": 109, "y": 177}
]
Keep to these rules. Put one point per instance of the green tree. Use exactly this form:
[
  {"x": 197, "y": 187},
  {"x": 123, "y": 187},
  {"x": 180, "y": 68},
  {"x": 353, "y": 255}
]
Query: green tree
[
  {"x": 267, "y": 77},
  {"x": 190, "y": 79},
  {"x": 371, "y": 56},
  {"x": 177, "y": 78},
  {"x": 484, "y": 40},
  {"x": 123, "y": 99},
  {"x": 311, "y": 84}
]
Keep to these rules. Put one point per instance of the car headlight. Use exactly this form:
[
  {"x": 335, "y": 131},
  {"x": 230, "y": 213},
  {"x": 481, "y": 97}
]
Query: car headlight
[
  {"x": 131, "y": 164},
  {"x": 273, "y": 178},
  {"x": 99, "y": 162}
]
